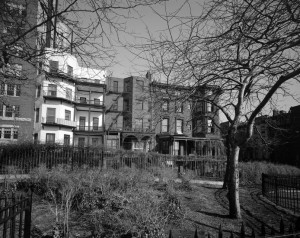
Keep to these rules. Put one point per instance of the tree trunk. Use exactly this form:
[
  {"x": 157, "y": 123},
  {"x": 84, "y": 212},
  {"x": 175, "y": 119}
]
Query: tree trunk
[
  {"x": 225, "y": 181},
  {"x": 233, "y": 184}
]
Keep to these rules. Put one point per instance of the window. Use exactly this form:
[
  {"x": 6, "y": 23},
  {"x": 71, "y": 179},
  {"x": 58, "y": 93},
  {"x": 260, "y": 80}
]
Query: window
[
  {"x": 10, "y": 89},
  {"x": 70, "y": 70},
  {"x": 67, "y": 115},
  {"x": 199, "y": 106},
  {"x": 9, "y": 111},
  {"x": 140, "y": 84},
  {"x": 50, "y": 138},
  {"x": 81, "y": 141},
  {"x": 115, "y": 86},
  {"x": 18, "y": 90},
  {"x": 198, "y": 126},
  {"x": 126, "y": 105},
  {"x": 52, "y": 89},
  {"x": 37, "y": 115},
  {"x": 1, "y": 110},
  {"x": 209, "y": 126},
  {"x": 50, "y": 116},
  {"x": 179, "y": 126},
  {"x": 189, "y": 106},
  {"x": 69, "y": 93},
  {"x": 53, "y": 66},
  {"x": 165, "y": 125},
  {"x": 208, "y": 107},
  {"x": 82, "y": 100},
  {"x": 17, "y": 111},
  {"x": 97, "y": 101},
  {"x": 2, "y": 88},
  {"x": 127, "y": 86},
  {"x": 112, "y": 143},
  {"x": 165, "y": 106},
  {"x": 95, "y": 142},
  {"x": 114, "y": 106},
  {"x": 138, "y": 124},
  {"x": 139, "y": 105},
  {"x": 7, "y": 133},
  {"x": 179, "y": 107},
  {"x": 95, "y": 123},
  {"x": 67, "y": 139},
  {"x": 15, "y": 134},
  {"x": 82, "y": 123},
  {"x": 149, "y": 106},
  {"x": 38, "y": 92}
]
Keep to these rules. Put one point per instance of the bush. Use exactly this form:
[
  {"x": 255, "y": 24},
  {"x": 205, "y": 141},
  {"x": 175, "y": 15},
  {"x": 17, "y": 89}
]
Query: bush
[
  {"x": 250, "y": 172},
  {"x": 110, "y": 203}
]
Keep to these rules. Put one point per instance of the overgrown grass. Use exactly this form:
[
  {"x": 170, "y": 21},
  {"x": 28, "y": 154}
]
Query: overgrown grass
[
  {"x": 250, "y": 172},
  {"x": 109, "y": 203}
]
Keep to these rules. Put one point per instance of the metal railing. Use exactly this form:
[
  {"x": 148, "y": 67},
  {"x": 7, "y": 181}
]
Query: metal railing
[
  {"x": 96, "y": 102},
  {"x": 15, "y": 220},
  {"x": 89, "y": 128},
  {"x": 58, "y": 121},
  {"x": 282, "y": 190},
  {"x": 59, "y": 94}
]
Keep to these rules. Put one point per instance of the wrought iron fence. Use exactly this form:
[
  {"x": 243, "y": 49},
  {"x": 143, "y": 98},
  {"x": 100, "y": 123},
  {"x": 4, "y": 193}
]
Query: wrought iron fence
[
  {"x": 23, "y": 160},
  {"x": 15, "y": 216},
  {"x": 282, "y": 190}
]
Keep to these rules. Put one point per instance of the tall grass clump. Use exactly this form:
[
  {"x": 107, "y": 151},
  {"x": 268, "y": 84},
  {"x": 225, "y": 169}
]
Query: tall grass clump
[
  {"x": 250, "y": 172},
  {"x": 108, "y": 203}
]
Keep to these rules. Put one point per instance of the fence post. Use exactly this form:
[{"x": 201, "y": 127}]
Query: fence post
[
  {"x": 276, "y": 190},
  {"x": 27, "y": 222}
]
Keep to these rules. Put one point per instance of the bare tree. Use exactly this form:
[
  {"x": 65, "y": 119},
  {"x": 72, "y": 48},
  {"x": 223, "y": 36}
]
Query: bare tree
[
  {"x": 90, "y": 28},
  {"x": 248, "y": 50}
]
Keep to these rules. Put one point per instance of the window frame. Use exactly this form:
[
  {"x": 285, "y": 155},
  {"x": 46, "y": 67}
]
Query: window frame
[
  {"x": 165, "y": 106},
  {"x": 165, "y": 128},
  {"x": 49, "y": 135},
  {"x": 179, "y": 126}
]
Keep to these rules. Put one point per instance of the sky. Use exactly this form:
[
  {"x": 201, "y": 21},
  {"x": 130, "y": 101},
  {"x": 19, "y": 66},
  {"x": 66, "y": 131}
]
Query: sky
[{"x": 130, "y": 65}]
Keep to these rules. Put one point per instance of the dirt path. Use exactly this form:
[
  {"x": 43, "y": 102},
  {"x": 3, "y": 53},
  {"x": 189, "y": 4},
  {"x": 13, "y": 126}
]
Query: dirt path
[{"x": 208, "y": 209}]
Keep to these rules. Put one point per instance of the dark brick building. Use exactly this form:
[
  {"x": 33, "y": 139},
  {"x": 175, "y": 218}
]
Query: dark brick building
[{"x": 17, "y": 76}]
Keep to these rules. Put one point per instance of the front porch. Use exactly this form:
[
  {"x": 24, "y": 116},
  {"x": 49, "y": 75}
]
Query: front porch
[{"x": 190, "y": 146}]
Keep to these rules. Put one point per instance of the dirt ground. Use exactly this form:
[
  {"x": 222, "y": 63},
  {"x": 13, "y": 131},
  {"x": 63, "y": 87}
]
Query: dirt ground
[{"x": 208, "y": 209}]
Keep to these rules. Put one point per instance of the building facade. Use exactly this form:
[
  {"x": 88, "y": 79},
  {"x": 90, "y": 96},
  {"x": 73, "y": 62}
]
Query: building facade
[
  {"x": 17, "y": 76},
  {"x": 185, "y": 123}
]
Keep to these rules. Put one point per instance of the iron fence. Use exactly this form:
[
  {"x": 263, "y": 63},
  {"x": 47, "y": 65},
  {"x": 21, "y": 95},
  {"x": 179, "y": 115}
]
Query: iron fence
[
  {"x": 15, "y": 216},
  {"x": 282, "y": 190},
  {"x": 290, "y": 231},
  {"x": 22, "y": 161}
]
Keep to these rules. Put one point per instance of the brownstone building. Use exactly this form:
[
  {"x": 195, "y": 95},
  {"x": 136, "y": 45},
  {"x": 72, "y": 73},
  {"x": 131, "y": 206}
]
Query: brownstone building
[
  {"x": 185, "y": 123},
  {"x": 17, "y": 76}
]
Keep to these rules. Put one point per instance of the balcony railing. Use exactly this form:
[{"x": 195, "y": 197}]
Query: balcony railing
[
  {"x": 89, "y": 102},
  {"x": 56, "y": 94},
  {"x": 58, "y": 121},
  {"x": 89, "y": 128}
]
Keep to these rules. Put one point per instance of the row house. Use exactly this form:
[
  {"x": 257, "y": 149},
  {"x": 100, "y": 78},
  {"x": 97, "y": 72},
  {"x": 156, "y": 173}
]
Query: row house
[
  {"x": 17, "y": 75},
  {"x": 185, "y": 121},
  {"x": 69, "y": 106}
]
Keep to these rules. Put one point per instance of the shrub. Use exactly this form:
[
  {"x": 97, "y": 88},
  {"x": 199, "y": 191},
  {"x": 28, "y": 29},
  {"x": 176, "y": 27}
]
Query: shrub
[{"x": 250, "y": 172}]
